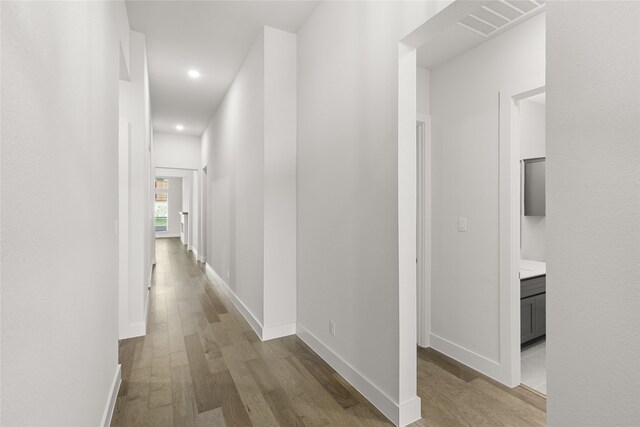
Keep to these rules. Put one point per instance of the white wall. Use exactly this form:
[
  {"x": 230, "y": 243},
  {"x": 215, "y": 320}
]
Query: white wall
[
  {"x": 532, "y": 145},
  {"x": 348, "y": 193},
  {"x": 280, "y": 140},
  {"x": 59, "y": 202},
  {"x": 423, "y": 90},
  {"x": 465, "y": 171},
  {"x": 249, "y": 150},
  {"x": 175, "y": 207},
  {"x": 173, "y": 150},
  {"x": 135, "y": 184},
  {"x": 234, "y": 140},
  {"x": 593, "y": 244}
]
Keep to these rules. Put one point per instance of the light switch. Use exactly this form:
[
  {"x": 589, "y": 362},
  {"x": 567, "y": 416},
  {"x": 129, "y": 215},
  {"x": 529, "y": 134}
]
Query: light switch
[{"x": 462, "y": 225}]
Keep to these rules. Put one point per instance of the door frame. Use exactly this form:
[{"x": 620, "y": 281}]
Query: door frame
[
  {"x": 202, "y": 255},
  {"x": 509, "y": 195},
  {"x": 423, "y": 228}
]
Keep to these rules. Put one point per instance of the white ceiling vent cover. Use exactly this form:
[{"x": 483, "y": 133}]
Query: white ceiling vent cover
[{"x": 498, "y": 15}]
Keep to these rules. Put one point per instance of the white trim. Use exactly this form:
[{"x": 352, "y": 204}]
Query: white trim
[
  {"x": 134, "y": 330},
  {"x": 463, "y": 355},
  {"x": 423, "y": 229},
  {"x": 399, "y": 414},
  {"x": 510, "y": 226},
  {"x": 244, "y": 310},
  {"x": 407, "y": 371},
  {"x": 111, "y": 399},
  {"x": 146, "y": 312},
  {"x": 409, "y": 411},
  {"x": 202, "y": 258},
  {"x": 140, "y": 328},
  {"x": 278, "y": 331},
  {"x": 265, "y": 333},
  {"x": 164, "y": 236}
]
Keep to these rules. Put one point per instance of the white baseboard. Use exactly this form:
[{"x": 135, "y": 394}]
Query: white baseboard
[
  {"x": 111, "y": 399},
  {"x": 463, "y": 355},
  {"x": 133, "y": 330},
  {"x": 248, "y": 315},
  {"x": 264, "y": 332},
  {"x": 202, "y": 258},
  {"x": 278, "y": 331},
  {"x": 409, "y": 411},
  {"x": 146, "y": 310},
  {"x": 166, "y": 236},
  {"x": 399, "y": 414}
]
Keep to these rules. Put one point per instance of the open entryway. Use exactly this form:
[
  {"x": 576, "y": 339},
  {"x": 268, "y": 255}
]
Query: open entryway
[
  {"x": 478, "y": 80},
  {"x": 528, "y": 145}
]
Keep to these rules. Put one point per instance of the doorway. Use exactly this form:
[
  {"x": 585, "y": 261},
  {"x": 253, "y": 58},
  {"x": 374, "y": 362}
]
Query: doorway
[
  {"x": 470, "y": 286},
  {"x": 528, "y": 141}
]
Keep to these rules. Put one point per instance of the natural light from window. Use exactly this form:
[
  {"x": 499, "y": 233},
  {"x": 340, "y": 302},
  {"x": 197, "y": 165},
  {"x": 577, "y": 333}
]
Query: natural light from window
[{"x": 162, "y": 204}]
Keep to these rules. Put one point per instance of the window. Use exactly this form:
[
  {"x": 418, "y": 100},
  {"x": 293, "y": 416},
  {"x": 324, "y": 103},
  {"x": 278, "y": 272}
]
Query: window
[
  {"x": 162, "y": 184},
  {"x": 162, "y": 204}
]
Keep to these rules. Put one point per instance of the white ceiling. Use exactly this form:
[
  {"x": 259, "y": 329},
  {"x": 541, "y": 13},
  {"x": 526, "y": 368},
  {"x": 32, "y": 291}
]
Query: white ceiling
[{"x": 211, "y": 36}]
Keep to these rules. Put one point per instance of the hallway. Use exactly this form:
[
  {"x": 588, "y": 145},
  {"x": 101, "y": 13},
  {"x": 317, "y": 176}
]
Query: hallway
[{"x": 201, "y": 364}]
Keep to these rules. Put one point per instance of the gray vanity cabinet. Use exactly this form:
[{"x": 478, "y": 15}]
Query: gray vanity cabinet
[
  {"x": 532, "y": 308},
  {"x": 527, "y": 319}
]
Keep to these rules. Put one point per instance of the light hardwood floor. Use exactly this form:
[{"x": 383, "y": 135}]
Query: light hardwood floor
[{"x": 201, "y": 364}]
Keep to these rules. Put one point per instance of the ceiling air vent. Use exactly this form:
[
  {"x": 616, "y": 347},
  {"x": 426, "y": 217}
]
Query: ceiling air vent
[{"x": 498, "y": 15}]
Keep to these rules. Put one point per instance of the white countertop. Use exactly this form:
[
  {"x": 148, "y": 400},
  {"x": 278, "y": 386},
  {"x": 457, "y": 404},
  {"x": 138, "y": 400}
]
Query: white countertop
[{"x": 530, "y": 268}]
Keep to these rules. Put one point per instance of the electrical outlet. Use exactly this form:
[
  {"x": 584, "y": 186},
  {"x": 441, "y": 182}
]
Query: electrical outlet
[
  {"x": 332, "y": 327},
  {"x": 462, "y": 224}
]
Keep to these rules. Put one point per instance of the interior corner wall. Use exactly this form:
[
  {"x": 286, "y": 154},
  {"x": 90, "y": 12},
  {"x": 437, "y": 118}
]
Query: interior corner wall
[
  {"x": 234, "y": 142},
  {"x": 593, "y": 222},
  {"x": 135, "y": 165},
  {"x": 348, "y": 191},
  {"x": 280, "y": 140},
  {"x": 250, "y": 155},
  {"x": 59, "y": 201},
  {"x": 465, "y": 311},
  {"x": 532, "y": 145}
]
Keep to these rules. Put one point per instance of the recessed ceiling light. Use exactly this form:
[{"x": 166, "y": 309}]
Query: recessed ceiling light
[
  {"x": 194, "y": 74},
  {"x": 179, "y": 127}
]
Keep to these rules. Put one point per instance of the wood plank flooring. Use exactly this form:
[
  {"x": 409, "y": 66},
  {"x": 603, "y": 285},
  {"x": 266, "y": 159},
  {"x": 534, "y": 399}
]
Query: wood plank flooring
[{"x": 201, "y": 364}]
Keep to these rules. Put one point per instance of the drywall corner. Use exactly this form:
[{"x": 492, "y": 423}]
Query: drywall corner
[{"x": 280, "y": 174}]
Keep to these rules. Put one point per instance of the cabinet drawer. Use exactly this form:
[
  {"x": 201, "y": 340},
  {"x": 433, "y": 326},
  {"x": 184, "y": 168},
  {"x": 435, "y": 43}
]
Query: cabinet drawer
[{"x": 533, "y": 286}]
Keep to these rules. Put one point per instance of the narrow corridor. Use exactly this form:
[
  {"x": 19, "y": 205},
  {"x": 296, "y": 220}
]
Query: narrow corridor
[{"x": 201, "y": 364}]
